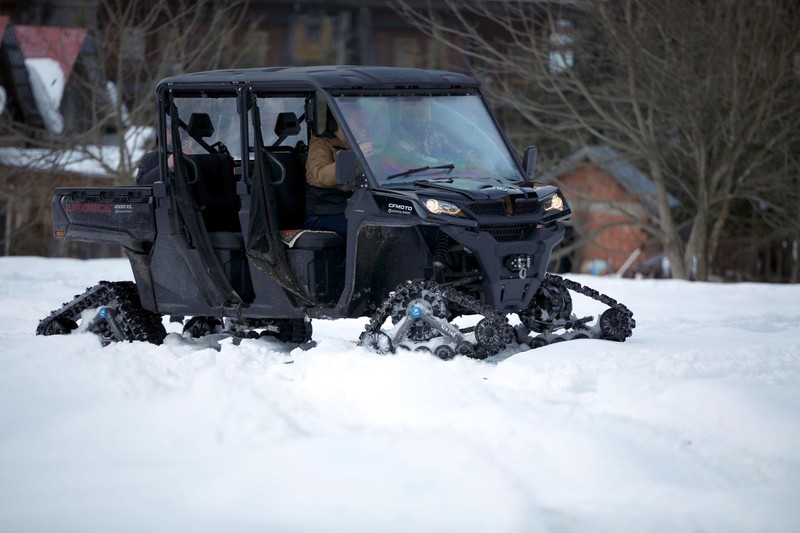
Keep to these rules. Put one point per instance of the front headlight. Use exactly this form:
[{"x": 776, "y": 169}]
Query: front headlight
[
  {"x": 554, "y": 203},
  {"x": 443, "y": 207}
]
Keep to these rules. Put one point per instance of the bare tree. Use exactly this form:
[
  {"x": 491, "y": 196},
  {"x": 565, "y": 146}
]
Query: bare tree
[
  {"x": 702, "y": 95},
  {"x": 20, "y": 211},
  {"x": 132, "y": 45},
  {"x": 141, "y": 42}
]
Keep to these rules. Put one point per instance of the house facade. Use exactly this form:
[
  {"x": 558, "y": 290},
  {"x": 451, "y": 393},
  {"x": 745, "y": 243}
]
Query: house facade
[
  {"x": 612, "y": 202},
  {"x": 43, "y": 105}
]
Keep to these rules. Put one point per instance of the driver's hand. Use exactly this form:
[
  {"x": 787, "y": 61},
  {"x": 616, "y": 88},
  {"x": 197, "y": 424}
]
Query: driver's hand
[{"x": 349, "y": 186}]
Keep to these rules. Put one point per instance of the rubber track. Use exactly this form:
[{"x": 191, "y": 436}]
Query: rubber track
[
  {"x": 121, "y": 298},
  {"x": 448, "y": 293},
  {"x": 622, "y": 315}
]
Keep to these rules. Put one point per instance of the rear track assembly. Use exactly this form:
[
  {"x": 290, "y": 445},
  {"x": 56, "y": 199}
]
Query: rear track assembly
[{"x": 120, "y": 316}]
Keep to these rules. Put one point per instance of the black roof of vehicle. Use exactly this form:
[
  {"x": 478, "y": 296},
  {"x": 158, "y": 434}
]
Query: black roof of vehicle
[{"x": 325, "y": 77}]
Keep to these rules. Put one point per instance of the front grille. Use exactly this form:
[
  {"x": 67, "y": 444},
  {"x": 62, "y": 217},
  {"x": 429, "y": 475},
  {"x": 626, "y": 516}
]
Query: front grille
[
  {"x": 488, "y": 209},
  {"x": 508, "y": 232},
  {"x": 526, "y": 207}
]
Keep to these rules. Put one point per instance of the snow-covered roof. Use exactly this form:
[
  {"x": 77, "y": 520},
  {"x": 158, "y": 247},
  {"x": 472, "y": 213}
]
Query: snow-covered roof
[
  {"x": 47, "y": 83},
  {"x": 50, "y": 55},
  {"x": 59, "y": 44},
  {"x": 97, "y": 161}
]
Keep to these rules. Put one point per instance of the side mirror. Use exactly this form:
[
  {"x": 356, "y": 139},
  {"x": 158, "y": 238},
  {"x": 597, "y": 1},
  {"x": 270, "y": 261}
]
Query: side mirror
[
  {"x": 529, "y": 161},
  {"x": 345, "y": 166}
]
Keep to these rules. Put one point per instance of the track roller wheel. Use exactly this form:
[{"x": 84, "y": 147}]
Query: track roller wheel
[
  {"x": 465, "y": 348},
  {"x": 552, "y": 304},
  {"x": 200, "y": 326},
  {"x": 537, "y": 342},
  {"x": 444, "y": 352},
  {"x": 616, "y": 324},
  {"x": 56, "y": 326},
  {"x": 494, "y": 332},
  {"x": 378, "y": 342}
]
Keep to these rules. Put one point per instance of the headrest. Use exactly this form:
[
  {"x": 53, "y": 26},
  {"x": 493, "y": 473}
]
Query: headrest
[
  {"x": 287, "y": 125},
  {"x": 200, "y": 125}
]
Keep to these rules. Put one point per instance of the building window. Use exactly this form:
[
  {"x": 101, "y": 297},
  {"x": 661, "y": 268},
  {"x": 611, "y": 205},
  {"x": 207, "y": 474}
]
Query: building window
[
  {"x": 313, "y": 30},
  {"x": 407, "y": 52},
  {"x": 436, "y": 54},
  {"x": 562, "y": 56},
  {"x": 313, "y": 39}
]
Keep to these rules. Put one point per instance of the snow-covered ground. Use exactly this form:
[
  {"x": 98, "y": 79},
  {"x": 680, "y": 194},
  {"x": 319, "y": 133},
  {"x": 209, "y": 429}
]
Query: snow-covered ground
[{"x": 691, "y": 425}]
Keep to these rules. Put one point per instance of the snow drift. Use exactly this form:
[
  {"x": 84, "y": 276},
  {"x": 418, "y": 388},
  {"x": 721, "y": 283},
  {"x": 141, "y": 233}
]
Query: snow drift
[{"x": 689, "y": 425}]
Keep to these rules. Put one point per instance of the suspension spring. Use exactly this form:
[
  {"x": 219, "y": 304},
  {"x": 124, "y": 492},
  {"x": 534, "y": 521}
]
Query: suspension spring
[{"x": 440, "y": 254}]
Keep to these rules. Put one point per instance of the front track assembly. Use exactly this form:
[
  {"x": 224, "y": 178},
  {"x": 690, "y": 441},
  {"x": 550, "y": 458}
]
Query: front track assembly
[
  {"x": 420, "y": 312},
  {"x": 555, "y": 322}
]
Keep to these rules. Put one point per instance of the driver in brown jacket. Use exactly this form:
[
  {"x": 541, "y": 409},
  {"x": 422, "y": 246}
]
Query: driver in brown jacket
[{"x": 326, "y": 200}]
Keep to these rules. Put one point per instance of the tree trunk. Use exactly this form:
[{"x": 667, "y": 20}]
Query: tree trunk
[
  {"x": 9, "y": 221},
  {"x": 670, "y": 240},
  {"x": 695, "y": 257}
]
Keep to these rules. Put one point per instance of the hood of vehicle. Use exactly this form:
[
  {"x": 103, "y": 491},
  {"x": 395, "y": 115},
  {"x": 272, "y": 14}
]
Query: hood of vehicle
[{"x": 460, "y": 190}]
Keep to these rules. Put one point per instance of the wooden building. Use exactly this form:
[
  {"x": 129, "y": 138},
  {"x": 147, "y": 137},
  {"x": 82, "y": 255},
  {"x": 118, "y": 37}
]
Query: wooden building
[{"x": 611, "y": 201}]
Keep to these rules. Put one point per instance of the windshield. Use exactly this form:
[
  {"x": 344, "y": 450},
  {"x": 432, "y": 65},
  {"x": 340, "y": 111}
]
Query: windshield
[{"x": 410, "y": 138}]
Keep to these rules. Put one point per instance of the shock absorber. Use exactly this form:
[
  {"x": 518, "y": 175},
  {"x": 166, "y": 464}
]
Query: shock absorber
[{"x": 440, "y": 254}]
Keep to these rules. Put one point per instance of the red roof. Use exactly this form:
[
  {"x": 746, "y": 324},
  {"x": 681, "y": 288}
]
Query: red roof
[{"x": 61, "y": 44}]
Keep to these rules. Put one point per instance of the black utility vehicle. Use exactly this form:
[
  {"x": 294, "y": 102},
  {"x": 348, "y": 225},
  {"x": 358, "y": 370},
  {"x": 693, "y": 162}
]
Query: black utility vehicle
[{"x": 441, "y": 223}]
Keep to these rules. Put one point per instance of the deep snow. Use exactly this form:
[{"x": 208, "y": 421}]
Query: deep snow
[{"x": 691, "y": 425}]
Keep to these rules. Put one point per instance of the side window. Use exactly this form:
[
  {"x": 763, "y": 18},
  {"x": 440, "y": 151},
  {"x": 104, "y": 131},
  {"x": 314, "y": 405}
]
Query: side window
[
  {"x": 224, "y": 119},
  {"x": 271, "y": 107}
]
